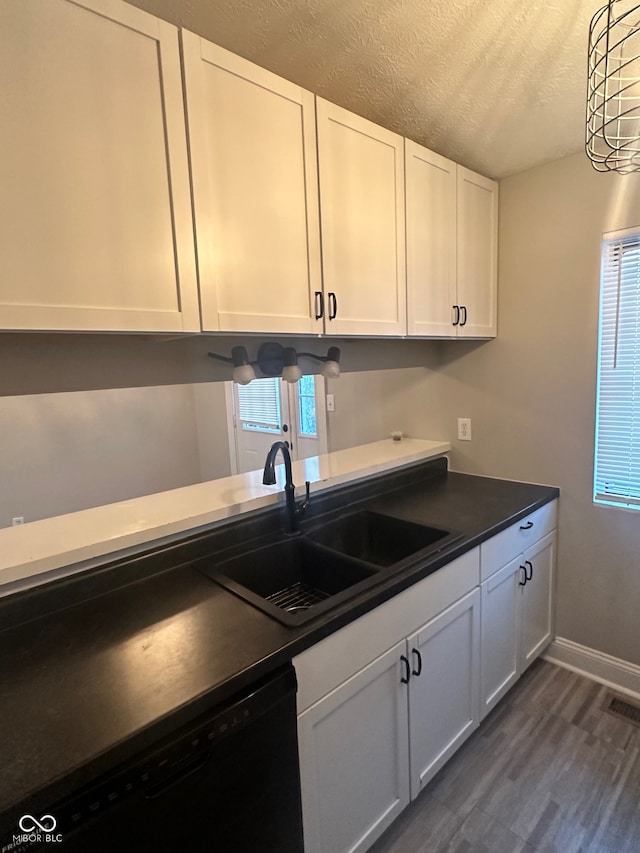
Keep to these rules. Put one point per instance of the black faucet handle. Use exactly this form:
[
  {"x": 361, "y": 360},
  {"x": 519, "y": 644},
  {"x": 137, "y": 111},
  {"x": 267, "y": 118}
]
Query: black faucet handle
[{"x": 302, "y": 505}]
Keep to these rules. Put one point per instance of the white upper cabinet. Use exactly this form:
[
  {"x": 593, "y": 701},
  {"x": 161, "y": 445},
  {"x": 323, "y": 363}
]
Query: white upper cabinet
[
  {"x": 361, "y": 167},
  {"x": 95, "y": 223},
  {"x": 431, "y": 242},
  {"x": 452, "y": 228},
  {"x": 477, "y": 254},
  {"x": 252, "y": 143}
]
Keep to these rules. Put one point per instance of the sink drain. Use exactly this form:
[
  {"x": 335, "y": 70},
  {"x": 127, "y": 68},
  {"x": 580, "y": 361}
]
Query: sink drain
[{"x": 298, "y": 596}]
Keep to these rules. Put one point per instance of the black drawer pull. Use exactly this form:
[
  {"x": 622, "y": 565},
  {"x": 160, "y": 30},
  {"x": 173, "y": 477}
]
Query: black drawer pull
[
  {"x": 526, "y": 526},
  {"x": 407, "y": 669},
  {"x": 418, "y": 656},
  {"x": 463, "y": 322},
  {"x": 456, "y": 315},
  {"x": 529, "y": 574},
  {"x": 319, "y": 304},
  {"x": 523, "y": 582}
]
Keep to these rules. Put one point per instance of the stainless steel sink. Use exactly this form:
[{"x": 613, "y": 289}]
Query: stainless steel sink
[
  {"x": 381, "y": 539},
  {"x": 293, "y": 580}
]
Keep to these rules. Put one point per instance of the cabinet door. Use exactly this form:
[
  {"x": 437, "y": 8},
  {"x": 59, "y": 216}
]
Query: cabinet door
[
  {"x": 361, "y": 168},
  {"x": 444, "y": 687},
  {"x": 537, "y": 600},
  {"x": 252, "y": 141},
  {"x": 95, "y": 222},
  {"x": 477, "y": 252},
  {"x": 353, "y": 758},
  {"x": 431, "y": 242},
  {"x": 499, "y": 632}
]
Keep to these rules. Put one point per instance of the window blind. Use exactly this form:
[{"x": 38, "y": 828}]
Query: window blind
[
  {"x": 259, "y": 404},
  {"x": 617, "y": 452}
]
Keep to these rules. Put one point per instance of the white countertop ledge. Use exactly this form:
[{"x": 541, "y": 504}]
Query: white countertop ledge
[{"x": 30, "y": 552}]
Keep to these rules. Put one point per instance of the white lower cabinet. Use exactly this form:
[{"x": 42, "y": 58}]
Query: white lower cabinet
[
  {"x": 500, "y": 634},
  {"x": 536, "y": 628},
  {"x": 443, "y": 688},
  {"x": 371, "y": 743},
  {"x": 517, "y": 609},
  {"x": 386, "y": 701},
  {"x": 354, "y": 758}
]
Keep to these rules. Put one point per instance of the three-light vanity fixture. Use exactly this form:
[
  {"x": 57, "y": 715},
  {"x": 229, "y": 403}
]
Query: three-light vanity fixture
[{"x": 275, "y": 360}]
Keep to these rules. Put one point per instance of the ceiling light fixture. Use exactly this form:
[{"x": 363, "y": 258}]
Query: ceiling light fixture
[
  {"x": 613, "y": 92},
  {"x": 275, "y": 360}
]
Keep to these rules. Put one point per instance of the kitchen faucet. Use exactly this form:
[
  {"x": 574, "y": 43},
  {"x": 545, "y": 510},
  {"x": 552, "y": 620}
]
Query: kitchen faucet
[{"x": 294, "y": 510}]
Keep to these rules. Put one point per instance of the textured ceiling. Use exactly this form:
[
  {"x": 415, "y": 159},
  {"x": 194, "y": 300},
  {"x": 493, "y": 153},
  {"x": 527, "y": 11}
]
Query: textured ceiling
[{"x": 497, "y": 85}]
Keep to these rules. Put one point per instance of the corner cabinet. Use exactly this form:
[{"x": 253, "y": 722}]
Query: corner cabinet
[
  {"x": 361, "y": 174},
  {"x": 252, "y": 140},
  {"x": 95, "y": 226},
  {"x": 452, "y": 234},
  {"x": 372, "y": 730}
]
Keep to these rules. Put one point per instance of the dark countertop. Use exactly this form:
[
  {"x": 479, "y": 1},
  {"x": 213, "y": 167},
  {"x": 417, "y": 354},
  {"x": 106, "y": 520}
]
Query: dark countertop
[{"x": 99, "y": 666}]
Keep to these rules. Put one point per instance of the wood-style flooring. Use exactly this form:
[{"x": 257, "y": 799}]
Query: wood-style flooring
[{"x": 548, "y": 770}]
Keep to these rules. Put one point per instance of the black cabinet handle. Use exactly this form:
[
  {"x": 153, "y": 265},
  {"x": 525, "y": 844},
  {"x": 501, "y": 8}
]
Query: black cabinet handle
[
  {"x": 319, "y": 304},
  {"x": 418, "y": 656},
  {"x": 333, "y": 306},
  {"x": 407, "y": 669},
  {"x": 526, "y": 526},
  {"x": 529, "y": 574},
  {"x": 523, "y": 582},
  {"x": 463, "y": 308},
  {"x": 456, "y": 315}
]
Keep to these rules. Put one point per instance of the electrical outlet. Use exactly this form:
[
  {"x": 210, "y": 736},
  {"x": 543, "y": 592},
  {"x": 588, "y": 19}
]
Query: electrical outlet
[
  {"x": 331, "y": 403},
  {"x": 464, "y": 429},
  {"x": 19, "y": 519}
]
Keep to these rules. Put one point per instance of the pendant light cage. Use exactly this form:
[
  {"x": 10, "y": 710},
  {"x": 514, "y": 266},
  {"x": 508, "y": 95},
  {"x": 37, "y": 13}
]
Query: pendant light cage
[{"x": 613, "y": 94}]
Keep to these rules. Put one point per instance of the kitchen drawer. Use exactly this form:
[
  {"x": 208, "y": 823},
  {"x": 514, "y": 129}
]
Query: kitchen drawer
[
  {"x": 507, "y": 545},
  {"x": 333, "y": 660}
]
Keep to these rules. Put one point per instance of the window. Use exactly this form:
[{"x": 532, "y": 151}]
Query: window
[
  {"x": 307, "y": 406},
  {"x": 617, "y": 456},
  {"x": 259, "y": 405}
]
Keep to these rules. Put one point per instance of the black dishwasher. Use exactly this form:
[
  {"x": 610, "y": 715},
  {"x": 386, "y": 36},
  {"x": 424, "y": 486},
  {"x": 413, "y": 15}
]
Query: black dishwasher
[{"x": 228, "y": 783}]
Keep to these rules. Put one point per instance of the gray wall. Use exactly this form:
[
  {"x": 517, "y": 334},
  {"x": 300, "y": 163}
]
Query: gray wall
[
  {"x": 531, "y": 391},
  {"x": 72, "y": 450}
]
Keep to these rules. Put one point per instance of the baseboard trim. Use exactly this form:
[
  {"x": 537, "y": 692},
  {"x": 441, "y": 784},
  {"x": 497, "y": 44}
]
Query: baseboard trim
[{"x": 614, "y": 672}]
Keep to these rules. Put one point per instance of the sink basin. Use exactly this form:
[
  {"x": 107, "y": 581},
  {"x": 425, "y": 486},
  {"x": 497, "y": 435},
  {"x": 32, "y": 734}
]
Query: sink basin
[
  {"x": 292, "y": 580},
  {"x": 380, "y": 539}
]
